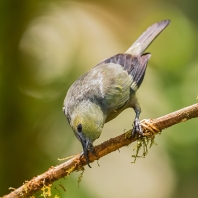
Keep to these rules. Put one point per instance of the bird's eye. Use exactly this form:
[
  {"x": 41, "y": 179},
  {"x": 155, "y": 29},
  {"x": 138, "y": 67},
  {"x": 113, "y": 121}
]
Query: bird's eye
[{"x": 79, "y": 128}]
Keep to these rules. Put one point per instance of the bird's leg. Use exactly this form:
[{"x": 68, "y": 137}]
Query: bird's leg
[{"x": 137, "y": 129}]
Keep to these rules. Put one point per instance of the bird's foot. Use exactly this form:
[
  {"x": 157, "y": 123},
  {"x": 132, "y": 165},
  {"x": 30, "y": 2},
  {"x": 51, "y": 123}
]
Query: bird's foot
[{"x": 137, "y": 129}]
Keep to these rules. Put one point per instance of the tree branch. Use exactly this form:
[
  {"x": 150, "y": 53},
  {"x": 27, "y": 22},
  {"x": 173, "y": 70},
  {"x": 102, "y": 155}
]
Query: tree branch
[{"x": 150, "y": 128}]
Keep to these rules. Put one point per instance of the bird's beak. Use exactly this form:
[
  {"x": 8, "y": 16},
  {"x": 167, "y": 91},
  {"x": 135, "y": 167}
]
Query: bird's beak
[{"x": 87, "y": 146}]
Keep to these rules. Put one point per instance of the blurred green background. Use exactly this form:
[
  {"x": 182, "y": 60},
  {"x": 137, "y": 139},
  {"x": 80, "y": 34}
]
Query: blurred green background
[{"x": 46, "y": 45}]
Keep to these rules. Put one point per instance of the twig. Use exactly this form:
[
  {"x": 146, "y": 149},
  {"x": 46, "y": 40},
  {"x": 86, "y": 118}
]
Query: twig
[{"x": 150, "y": 128}]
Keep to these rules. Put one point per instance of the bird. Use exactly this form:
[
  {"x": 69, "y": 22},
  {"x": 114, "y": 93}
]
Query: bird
[{"x": 110, "y": 87}]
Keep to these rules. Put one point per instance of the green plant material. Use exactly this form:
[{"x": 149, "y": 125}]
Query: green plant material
[
  {"x": 144, "y": 143},
  {"x": 25, "y": 187},
  {"x": 128, "y": 134},
  {"x": 67, "y": 158},
  {"x": 80, "y": 177},
  {"x": 46, "y": 191},
  {"x": 62, "y": 187},
  {"x": 11, "y": 188},
  {"x": 69, "y": 171},
  {"x": 98, "y": 163}
]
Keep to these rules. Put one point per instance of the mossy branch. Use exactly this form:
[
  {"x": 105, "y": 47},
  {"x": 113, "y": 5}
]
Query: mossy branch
[{"x": 150, "y": 128}]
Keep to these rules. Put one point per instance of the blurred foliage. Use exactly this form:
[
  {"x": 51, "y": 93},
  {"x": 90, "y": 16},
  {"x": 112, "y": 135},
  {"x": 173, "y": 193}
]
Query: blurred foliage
[{"x": 46, "y": 45}]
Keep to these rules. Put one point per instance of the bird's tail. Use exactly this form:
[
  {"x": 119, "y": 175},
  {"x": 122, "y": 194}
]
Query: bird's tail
[{"x": 142, "y": 43}]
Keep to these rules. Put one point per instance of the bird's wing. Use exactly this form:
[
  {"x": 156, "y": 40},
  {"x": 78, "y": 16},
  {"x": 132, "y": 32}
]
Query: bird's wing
[
  {"x": 110, "y": 84},
  {"x": 113, "y": 86},
  {"x": 121, "y": 76}
]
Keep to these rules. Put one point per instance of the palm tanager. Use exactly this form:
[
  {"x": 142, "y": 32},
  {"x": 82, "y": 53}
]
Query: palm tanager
[{"x": 107, "y": 89}]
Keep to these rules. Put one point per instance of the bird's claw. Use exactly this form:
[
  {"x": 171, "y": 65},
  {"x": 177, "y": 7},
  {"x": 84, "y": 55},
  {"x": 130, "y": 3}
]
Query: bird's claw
[{"x": 137, "y": 129}]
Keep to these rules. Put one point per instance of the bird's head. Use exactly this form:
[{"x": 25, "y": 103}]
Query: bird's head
[{"x": 87, "y": 121}]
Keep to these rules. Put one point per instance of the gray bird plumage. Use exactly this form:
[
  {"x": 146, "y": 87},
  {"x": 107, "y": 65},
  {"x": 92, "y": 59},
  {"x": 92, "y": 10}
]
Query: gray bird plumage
[{"x": 107, "y": 89}]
